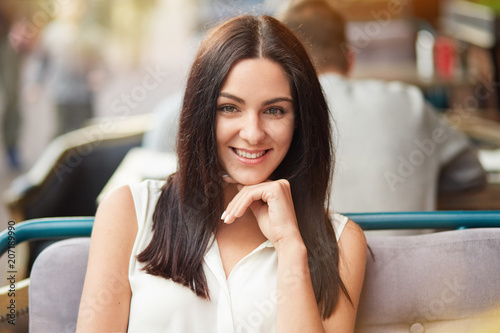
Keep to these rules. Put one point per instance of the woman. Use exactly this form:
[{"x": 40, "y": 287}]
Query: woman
[{"x": 238, "y": 240}]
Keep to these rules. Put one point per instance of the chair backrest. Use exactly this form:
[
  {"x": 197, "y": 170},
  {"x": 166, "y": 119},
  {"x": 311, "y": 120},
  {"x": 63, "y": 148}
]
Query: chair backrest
[
  {"x": 56, "y": 285},
  {"x": 83, "y": 159}
]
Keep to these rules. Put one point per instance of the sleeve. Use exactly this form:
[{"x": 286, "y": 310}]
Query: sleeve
[
  {"x": 460, "y": 168},
  {"x": 463, "y": 172}
]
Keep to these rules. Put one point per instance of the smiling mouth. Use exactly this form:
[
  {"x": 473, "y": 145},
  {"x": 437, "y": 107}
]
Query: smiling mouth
[{"x": 250, "y": 155}]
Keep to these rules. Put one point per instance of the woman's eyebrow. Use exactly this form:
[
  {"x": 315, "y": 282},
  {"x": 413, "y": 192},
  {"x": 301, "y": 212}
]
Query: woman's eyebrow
[
  {"x": 230, "y": 96},
  {"x": 277, "y": 99},
  {"x": 268, "y": 102}
]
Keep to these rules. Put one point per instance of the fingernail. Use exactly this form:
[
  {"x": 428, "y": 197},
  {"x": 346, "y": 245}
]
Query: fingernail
[
  {"x": 225, "y": 220},
  {"x": 223, "y": 215},
  {"x": 225, "y": 175}
]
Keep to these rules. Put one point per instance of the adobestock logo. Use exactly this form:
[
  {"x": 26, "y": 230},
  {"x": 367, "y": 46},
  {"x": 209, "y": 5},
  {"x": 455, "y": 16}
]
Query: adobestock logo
[
  {"x": 121, "y": 108},
  {"x": 485, "y": 88},
  {"x": 263, "y": 309},
  {"x": 416, "y": 158},
  {"x": 31, "y": 26},
  {"x": 451, "y": 293},
  {"x": 126, "y": 102}
]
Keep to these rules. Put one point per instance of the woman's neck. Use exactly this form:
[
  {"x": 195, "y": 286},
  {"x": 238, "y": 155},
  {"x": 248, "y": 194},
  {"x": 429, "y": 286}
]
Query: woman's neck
[{"x": 230, "y": 190}]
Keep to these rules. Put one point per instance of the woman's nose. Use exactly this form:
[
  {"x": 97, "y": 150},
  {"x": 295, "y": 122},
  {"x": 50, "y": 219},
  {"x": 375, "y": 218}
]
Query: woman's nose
[{"x": 252, "y": 129}]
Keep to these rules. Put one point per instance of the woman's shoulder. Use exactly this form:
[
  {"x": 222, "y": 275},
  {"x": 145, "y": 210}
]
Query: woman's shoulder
[
  {"x": 115, "y": 203},
  {"x": 130, "y": 198},
  {"x": 115, "y": 219}
]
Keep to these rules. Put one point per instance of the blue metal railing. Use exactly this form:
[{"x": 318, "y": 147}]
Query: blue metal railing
[
  {"x": 46, "y": 228},
  {"x": 64, "y": 227},
  {"x": 427, "y": 220}
]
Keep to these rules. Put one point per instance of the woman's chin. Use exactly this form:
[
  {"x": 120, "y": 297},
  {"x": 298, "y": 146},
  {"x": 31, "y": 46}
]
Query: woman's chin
[{"x": 249, "y": 180}]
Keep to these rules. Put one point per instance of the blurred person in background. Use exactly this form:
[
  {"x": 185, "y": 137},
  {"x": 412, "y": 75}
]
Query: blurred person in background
[
  {"x": 70, "y": 61},
  {"x": 393, "y": 151},
  {"x": 12, "y": 46}
]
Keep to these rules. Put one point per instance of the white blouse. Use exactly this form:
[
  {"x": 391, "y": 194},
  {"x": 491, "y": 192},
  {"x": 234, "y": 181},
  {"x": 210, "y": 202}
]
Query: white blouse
[{"x": 244, "y": 302}]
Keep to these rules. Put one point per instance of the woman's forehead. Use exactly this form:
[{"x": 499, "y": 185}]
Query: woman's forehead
[{"x": 257, "y": 78}]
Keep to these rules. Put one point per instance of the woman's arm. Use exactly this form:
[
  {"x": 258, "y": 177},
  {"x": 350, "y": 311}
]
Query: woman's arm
[
  {"x": 106, "y": 293},
  {"x": 352, "y": 263},
  {"x": 297, "y": 310},
  {"x": 295, "y": 292}
]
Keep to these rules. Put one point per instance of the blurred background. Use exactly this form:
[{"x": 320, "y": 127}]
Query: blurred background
[
  {"x": 119, "y": 58},
  {"x": 80, "y": 80}
]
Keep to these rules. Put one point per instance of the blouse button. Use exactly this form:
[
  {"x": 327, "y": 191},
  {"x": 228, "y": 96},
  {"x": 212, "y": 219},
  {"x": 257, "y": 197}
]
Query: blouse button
[{"x": 417, "y": 328}]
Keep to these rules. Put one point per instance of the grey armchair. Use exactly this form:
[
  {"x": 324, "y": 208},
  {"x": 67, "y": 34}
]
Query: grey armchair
[{"x": 441, "y": 282}]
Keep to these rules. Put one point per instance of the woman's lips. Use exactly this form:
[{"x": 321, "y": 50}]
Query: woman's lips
[
  {"x": 250, "y": 157},
  {"x": 249, "y": 154}
]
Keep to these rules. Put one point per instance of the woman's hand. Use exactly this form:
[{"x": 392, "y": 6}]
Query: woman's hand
[{"x": 272, "y": 205}]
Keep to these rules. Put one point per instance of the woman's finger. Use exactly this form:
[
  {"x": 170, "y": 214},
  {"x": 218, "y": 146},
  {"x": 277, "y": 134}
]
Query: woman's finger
[
  {"x": 255, "y": 197},
  {"x": 241, "y": 201},
  {"x": 234, "y": 206},
  {"x": 249, "y": 197}
]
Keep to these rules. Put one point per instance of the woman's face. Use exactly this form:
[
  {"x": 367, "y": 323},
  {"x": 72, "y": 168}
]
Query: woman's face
[{"x": 255, "y": 120}]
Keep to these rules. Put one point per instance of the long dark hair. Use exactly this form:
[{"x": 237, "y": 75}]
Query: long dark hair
[{"x": 188, "y": 211}]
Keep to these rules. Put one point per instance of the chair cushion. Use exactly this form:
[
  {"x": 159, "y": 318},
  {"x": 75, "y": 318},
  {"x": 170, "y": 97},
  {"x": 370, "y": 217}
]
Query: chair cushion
[
  {"x": 442, "y": 282},
  {"x": 56, "y": 284}
]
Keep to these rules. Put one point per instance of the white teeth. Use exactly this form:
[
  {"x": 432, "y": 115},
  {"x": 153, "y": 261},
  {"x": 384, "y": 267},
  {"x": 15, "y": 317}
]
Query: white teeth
[{"x": 249, "y": 155}]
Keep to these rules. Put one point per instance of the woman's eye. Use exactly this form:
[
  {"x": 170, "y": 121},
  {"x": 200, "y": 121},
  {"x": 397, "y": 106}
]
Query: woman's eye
[
  {"x": 275, "y": 111},
  {"x": 227, "y": 108}
]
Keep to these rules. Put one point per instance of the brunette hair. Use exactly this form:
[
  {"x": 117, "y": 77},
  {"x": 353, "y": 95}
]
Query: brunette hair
[
  {"x": 321, "y": 28},
  {"x": 188, "y": 212}
]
